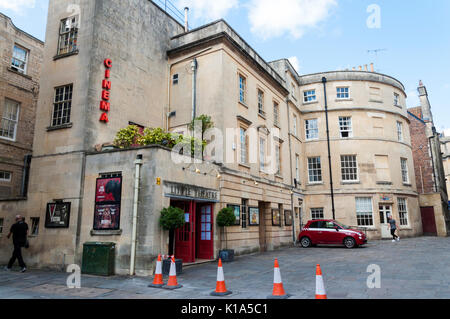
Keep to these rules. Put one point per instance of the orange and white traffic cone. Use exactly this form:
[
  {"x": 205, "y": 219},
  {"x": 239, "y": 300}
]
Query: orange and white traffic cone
[
  {"x": 278, "y": 290},
  {"x": 320, "y": 288},
  {"x": 172, "y": 283},
  {"x": 221, "y": 289},
  {"x": 158, "y": 279}
]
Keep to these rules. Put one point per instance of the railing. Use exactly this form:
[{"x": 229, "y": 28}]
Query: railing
[{"x": 170, "y": 9}]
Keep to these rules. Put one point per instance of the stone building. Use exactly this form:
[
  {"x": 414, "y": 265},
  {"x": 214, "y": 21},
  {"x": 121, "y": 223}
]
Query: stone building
[
  {"x": 21, "y": 60},
  {"x": 429, "y": 168},
  {"x": 109, "y": 63},
  {"x": 445, "y": 148}
]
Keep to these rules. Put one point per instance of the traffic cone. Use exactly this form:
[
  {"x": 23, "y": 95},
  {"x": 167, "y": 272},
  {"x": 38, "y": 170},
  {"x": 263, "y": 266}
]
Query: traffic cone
[
  {"x": 221, "y": 289},
  {"x": 320, "y": 288},
  {"x": 172, "y": 283},
  {"x": 278, "y": 290},
  {"x": 158, "y": 279}
]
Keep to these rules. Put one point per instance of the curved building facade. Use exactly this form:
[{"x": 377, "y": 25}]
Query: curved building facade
[{"x": 370, "y": 164}]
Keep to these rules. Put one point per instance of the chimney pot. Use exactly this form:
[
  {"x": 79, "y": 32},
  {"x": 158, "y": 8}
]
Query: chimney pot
[{"x": 372, "y": 69}]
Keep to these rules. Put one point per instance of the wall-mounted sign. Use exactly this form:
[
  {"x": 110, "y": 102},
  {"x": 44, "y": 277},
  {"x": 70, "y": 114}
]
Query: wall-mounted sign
[
  {"x": 253, "y": 214},
  {"x": 185, "y": 191},
  {"x": 105, "y": 104},
  {"x": 108, "y": 193},
  {"x": 385, "y": 198},
  {"x": 276, "y": 217},
  {"x": 57, "y": 215},
  {"x": 288, "y": 217}
]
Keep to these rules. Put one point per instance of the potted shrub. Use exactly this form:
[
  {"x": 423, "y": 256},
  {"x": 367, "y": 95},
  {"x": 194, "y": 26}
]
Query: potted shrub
[
  {"x": 226, "y": 218},
  {"x": 171, "y": 219}
]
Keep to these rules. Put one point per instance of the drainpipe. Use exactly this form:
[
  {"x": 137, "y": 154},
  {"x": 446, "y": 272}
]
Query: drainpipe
[
  {"x": 290, "y": 162},
  {"x": 194, "y": 66},
  {"x": 432, "y": 163},
  {"x": 138, "y": 163},
  {"x": 324, "y": 81}
]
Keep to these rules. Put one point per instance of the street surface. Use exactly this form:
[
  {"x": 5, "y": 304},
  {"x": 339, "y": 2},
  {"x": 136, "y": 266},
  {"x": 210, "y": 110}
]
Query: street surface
[{"x": 411, "y": 268}]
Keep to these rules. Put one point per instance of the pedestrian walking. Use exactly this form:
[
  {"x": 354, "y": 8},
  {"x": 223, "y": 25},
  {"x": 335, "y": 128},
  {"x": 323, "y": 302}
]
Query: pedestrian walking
[
  {"x": 393, "y": 226},
  {"x": 19, "y": 231}
]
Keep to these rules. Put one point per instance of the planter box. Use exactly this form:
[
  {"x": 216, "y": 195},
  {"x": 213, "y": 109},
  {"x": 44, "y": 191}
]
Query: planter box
[
  {"x": 166, "y": 266},
  {"x": 226, "y": 255}
]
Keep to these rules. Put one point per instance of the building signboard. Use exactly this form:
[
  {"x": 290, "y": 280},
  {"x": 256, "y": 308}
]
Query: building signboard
[{"x": 185, "y": 191}]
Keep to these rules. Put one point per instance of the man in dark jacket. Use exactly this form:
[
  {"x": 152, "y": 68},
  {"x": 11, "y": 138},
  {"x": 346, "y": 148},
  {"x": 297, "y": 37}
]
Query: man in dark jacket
[{"x": 19, "y": 231}]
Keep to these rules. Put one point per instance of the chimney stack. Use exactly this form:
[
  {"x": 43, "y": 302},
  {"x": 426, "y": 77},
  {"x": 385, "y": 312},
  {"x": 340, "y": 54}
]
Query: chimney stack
[
  {"x": 186, "y": 25},
  {"x": 365, "y": 67},
  {"x": 372, "y": 69},
  {"x": 360, "y": 68}
]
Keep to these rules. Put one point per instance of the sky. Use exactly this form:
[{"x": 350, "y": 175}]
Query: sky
[{"x": 412, "y": 36}]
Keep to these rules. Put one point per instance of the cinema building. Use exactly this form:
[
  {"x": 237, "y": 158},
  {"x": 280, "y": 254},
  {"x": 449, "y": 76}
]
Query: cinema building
[{"x": 112, "y": 63}]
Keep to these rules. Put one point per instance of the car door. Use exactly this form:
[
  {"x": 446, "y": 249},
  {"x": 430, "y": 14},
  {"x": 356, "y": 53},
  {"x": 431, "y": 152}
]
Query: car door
[
  {"x": 320, "y": 233},
  {"x": 337, "y": 235},
  {"x": 313, "y": 231}
]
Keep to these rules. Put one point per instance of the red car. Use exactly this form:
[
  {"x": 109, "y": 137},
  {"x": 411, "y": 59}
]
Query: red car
[{"x": 327, "y": 231}]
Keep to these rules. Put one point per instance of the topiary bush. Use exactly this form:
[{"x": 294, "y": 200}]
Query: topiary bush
[
  {"x": 171, "y": 218},
  {"x": 225, "y": 217}
]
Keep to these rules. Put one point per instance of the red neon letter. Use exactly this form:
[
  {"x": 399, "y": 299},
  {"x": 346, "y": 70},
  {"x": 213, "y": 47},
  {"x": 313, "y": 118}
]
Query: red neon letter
[
  {"x": 105, "y": 95},
  {"x": 107, "y": 73},
  {"x": 106, "y": 84},
  {"x": 105, "y": 106},
  {"x": 104, "y": 118},
  {"x": 108, "y": 63}
]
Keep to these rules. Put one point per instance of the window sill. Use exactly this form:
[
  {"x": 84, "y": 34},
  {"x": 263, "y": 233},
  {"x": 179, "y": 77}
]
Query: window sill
[
  {"x": 310, "y": 102},
  {"x": 19, "y": 73},
  {"x": 244, "y": 165},
  {"x": 350, "y": 183},
  {"x": 59, "y": 127},
  {"x": 8, "y": 139},
  {"x": 243, "y": 104},
  {"x": 343, "y": 100},
  {"x": 277, "y": 125},
  {"x": 314, "y": 184},
  {"x": 106, "y": 232},
  {"x": 407, "y": 184},
  {"x": 262, "y": 115},
  {"x": 384, "y": 183},
  {"x": 65, "y": 55}
]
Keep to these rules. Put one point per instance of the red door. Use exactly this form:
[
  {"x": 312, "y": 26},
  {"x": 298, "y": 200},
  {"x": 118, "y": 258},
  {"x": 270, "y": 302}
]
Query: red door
[
  {"x": 184, "y": 237},
  {"x": 428, "y": 221},
  {"x": 205, "y": 238}
]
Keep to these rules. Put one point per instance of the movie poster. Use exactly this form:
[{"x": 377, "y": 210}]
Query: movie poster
[
  {"x": 108, "y": 190},
  {"x": 107, "y": 216},
  {"x": 237, "y": 213},
  {"x": 107, "y": 203},
  {"x": 276, "y": 217},
  {"x": 253, "y": 216},
  {"x": 288, "y": 217},
  {"x": 57, "y": 215}
]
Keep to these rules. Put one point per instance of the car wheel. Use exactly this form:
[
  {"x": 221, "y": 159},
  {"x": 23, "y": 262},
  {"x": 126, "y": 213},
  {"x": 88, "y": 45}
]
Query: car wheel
[
  {"x": 349, "y": 242},
  {"x": 305, "y": 242}
]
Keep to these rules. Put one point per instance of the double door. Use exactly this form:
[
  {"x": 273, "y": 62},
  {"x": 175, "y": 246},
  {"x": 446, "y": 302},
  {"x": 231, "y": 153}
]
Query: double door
[{"x": 195, "y": 239}]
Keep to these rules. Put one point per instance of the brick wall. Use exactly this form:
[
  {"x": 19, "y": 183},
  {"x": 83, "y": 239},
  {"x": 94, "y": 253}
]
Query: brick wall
[
  {"x": 24, "y": 89},
  {"x": 421, "y": 153}
]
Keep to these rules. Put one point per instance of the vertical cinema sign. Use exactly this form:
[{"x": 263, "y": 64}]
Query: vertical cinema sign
[{"x": 105, "y": 105}]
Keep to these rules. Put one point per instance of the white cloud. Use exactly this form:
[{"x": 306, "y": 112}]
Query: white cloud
[
  {"x": 207, "y": 9},
  {"x": 17, "y": 5},
  {"x": 295, "y": 63},
  {"x": 270, "y": 18}
]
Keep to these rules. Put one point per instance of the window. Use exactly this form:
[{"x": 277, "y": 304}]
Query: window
[
  {"x": 10, "y": 118},
  {"x": 397, "y": 100},
  {"x": 343, "y": 93},
  {"x": 278, "y": 158},
  {"x": 242, "y": 88},
  {"x": 62, "y": 105},
  {"x": 400, "y": 131},
  {"x": 243, "y": 145},
  {"x": 297, "y": 168},
  {"x": 345, "y": 126},
  {"x": 312, "y": 130},
  {"x": 314, "y": 170},
  {"x": 364, "y": 211},
  {"x": 309, "y": 96},
  {"x": 349, "y": 168},
  {"x": 276, "y": 114},
  {"x": 175, "y": 79},
  {"x": 403, "y": 211},
  {"x": 317, "y": 213},
  {"x": 1, "y": 225},
  {"x": 262, "y": 149},
  {"x": 34, "y": 226},
  {"x": 261, "y": 103},
  {"x": 68, "y": 34},
  {"x": 5, "y": 176},
  {"x": 19, "y": 59},
  {"x": 294, "y": 125},
  {"x": 244, "y": 210},
  {"x": 404, "y": 166}
]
